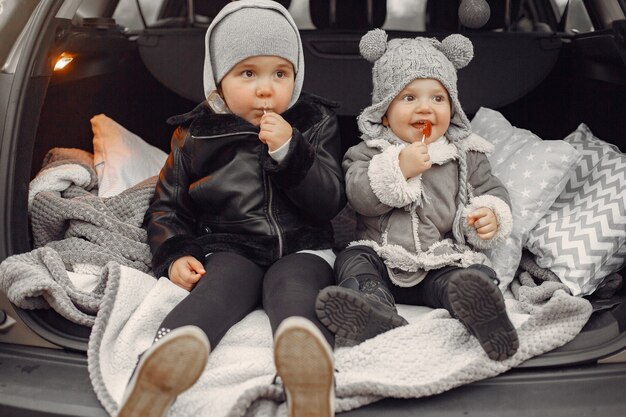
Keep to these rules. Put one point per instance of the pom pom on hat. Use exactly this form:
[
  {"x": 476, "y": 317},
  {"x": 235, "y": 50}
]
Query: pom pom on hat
[
  {"x": 458, "y": 49},
  {"x": 373, "y": 44}
]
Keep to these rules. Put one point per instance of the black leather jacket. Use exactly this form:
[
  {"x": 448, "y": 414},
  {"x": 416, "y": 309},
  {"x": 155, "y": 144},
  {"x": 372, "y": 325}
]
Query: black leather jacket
[{"x": 221, "y": 191}]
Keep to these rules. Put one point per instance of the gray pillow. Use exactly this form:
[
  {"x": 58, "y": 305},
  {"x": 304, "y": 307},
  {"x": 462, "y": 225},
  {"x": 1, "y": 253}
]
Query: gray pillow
[
  {"x": 581, "y": 237},
  {"x": 533, "y": 170}
]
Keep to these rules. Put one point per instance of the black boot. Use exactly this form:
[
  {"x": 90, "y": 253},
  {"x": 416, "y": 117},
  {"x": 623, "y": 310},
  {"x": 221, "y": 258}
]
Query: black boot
[
  {"x": 356, "y": 312},
  {"x": 478, "y": 303}
]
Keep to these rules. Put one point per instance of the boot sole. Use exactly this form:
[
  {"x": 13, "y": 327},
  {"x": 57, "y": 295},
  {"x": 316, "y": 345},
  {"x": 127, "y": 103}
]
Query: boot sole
[
  {"x": 352, "y": 316},
  {"x": 304, "y": 362},
  {"x": 479, "y": 305},
  {"x": 164, "y": 372}
]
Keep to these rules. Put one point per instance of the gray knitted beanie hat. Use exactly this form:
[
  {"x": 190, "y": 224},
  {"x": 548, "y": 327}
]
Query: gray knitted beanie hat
[
  {"x": 400, "y": 61},
  {"x": 247, "y": 28}
]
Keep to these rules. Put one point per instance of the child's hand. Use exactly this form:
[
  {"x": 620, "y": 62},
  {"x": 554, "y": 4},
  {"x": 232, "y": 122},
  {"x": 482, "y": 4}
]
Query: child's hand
[
  {"x": 414, "y": 159},
  {"x": 186, "y": 272},
  {"x": 484, "y": 221},
  {"x": 275, "y": 131}
]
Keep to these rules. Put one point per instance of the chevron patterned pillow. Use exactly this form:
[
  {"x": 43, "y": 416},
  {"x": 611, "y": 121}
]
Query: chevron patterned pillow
[
  {"x": 534, "y": 172},
  {"x": 581, "y": 237}
]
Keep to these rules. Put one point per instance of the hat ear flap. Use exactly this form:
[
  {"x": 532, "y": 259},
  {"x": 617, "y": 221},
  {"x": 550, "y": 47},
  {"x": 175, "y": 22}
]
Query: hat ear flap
[
  {"x": 373, "y": 44},
  {"x": 458, "y": 49}
]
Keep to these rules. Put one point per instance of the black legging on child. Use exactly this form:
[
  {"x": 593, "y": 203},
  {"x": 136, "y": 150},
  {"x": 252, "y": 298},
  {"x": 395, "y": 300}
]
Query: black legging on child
[
  {"x": 233, "y": 286},
  {"x": 363, "y": 263}
]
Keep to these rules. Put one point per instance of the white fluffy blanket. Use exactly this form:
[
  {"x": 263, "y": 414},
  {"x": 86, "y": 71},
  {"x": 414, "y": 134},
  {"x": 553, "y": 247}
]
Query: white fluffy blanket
[{"x": 433, "y": 354}]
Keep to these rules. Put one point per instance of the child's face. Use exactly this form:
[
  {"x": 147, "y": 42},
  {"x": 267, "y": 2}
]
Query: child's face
[
  {"x": 424, "y": 99},
  {"x": 258, "y": 83}
]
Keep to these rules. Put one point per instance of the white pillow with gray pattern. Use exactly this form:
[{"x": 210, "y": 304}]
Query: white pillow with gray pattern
[
  {"x": 533, "y": 170},
  {"x": 582, "y": 236}
]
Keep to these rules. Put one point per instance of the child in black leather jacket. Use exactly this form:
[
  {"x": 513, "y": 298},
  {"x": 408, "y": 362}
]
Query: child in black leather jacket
[{"x": 241, "y": 212}]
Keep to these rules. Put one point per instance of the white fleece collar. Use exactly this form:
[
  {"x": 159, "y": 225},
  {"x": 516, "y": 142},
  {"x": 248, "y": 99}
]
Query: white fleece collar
[{"x": 442, "y": 151}]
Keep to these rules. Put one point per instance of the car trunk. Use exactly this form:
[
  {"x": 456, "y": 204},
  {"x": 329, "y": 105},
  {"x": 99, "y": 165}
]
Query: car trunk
[{"x": 140, "y": 81}]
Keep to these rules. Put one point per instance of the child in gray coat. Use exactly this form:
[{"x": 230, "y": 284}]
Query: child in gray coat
[{"x": 426, "y": 202}]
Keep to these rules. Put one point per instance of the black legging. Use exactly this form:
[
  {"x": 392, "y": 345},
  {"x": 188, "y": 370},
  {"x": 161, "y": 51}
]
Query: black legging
[
  {"x": 233, "y": 286},
  {"x": 363, "y": 263}
]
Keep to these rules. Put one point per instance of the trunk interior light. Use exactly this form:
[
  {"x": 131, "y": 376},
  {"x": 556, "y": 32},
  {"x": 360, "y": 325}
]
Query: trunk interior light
[{"x": 62, "y": 61}]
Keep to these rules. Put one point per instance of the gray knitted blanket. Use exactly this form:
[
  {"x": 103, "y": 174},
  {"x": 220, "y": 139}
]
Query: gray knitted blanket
[{"x": 75, "y": 233}]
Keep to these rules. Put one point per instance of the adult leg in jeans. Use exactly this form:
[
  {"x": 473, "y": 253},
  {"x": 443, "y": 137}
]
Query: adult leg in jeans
[{"x": 361, "y": 305}]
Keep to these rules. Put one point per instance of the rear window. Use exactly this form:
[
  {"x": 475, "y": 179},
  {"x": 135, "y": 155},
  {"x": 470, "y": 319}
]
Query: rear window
[
  {"x": 13, "y": 18},
  {"x": 406, "y": 15},
  {"x": 577, "y": 19},
  {"x": 401, "y": 14},
  {"x": 128, "y": 14}
]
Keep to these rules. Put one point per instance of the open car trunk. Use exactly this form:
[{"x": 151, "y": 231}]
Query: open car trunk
[{"x": 544, "y": 82}]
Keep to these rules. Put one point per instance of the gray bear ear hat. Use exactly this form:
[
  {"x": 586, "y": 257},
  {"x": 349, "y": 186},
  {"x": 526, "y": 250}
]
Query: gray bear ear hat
[
  {"x": 248, "y": 28},
  {"x": 400, "y": 61}
]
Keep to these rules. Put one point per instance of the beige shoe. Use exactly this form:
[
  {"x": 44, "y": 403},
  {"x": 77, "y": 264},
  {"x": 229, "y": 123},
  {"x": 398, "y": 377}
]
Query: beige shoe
[
  {"x": 169, "y": 367},
  {"x": 304, "y": 362}
]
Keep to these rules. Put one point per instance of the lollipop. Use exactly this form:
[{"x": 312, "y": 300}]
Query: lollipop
[{"x": 426, "y": 127}]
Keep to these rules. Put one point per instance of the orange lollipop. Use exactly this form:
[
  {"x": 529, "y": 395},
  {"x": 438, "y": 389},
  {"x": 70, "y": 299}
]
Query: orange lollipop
[{"x": 426, "y": 127}]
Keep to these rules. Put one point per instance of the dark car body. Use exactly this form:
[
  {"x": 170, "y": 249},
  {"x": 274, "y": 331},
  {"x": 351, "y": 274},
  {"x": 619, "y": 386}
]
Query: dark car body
[{"x": 531, "y": 64}]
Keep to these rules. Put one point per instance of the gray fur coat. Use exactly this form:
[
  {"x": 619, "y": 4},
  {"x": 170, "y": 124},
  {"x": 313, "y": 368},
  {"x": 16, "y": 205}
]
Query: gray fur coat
[{"x": 409, "y": 222}]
